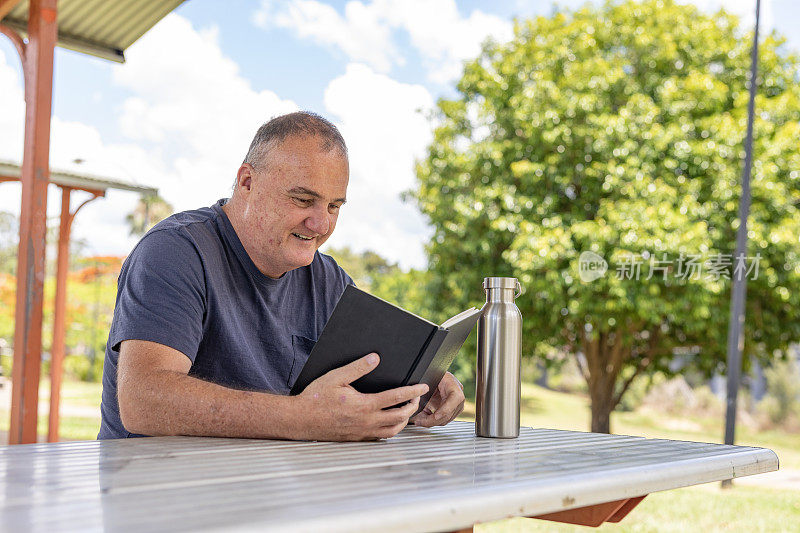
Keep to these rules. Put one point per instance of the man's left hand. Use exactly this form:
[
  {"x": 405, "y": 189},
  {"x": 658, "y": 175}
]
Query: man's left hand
[{"x": 445, "y": 404}]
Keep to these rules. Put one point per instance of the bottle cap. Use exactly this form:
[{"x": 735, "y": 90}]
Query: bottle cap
[{"x": 500, "y": 283}]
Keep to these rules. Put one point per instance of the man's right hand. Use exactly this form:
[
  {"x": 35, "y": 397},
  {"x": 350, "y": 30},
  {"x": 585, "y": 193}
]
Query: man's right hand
[{"x": 331, "y": 409}]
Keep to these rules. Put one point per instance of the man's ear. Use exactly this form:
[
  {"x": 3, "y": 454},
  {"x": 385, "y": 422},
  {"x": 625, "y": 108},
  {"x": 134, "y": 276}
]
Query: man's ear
[{"x": 244, "y": 177}]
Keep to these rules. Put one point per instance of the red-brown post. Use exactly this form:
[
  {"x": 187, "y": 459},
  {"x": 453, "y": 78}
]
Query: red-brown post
[
  {"x": 38, "y": 68},
  {"x": 58, "y": 350},
  {"x": 59, "y": 315}
]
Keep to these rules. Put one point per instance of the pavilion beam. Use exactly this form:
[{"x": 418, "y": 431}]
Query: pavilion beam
[
  {"x": 38, "y": 71},
  {"x": 6, "y": 6},
  {"x": 58, "y": 349},
  {"x": 16, "y": 40}
]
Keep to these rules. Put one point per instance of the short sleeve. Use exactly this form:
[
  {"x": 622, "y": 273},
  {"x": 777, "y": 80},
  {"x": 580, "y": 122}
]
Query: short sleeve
[{"x": 161, "y": 294}]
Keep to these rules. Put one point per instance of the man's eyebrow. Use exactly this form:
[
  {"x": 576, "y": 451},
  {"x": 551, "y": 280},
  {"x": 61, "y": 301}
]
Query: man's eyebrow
[{"x": 315, "y": 194}]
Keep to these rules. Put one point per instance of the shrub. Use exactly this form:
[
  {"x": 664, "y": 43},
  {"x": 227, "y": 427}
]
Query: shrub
[{"x": 782, "y": 402}]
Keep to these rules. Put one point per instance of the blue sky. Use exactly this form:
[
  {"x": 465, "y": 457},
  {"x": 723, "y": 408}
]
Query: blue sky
[{"x": 180, "y": 113}]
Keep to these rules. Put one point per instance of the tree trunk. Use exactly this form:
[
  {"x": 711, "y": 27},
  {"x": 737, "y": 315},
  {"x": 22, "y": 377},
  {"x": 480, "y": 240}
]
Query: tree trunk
[
  {"x": 601, "y": 414},
  {"x": 604, "y": 358},
  {"x": 542, "y": 379}
]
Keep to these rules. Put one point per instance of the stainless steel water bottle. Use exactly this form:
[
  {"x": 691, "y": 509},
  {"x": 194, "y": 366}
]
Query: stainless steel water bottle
[{"x": 497, "y": 393}]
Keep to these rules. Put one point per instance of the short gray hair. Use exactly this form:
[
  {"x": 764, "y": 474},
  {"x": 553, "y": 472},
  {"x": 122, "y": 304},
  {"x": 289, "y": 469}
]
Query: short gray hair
[{"x": 301, "y": 123}]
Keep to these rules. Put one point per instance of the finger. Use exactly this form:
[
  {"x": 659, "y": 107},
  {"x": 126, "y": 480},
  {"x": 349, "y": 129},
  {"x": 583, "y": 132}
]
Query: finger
[
  {"x": 393, "y": 397},
  {"x": 456, "y": 413},
  {"x": 424, "y": 419},
  {"x": 450, "y": 377},
  {"x": 435, "y": 400},
  {"x": 446, "y": 384},
  {"x": 350, "y": 372},
  {"x": 391, "y": 417},
  {"x": 450, "y": 408},
  {"x": 390, "y": 431}
]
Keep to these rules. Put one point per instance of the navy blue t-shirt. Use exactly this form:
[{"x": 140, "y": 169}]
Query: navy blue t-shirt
[{"x": 190, "y": 285}]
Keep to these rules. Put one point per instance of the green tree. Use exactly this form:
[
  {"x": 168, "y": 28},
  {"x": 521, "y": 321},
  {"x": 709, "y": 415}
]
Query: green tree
[
  {"x": 619, "y": 130},
  {"x": 149, "y": 211},
  {"x": 364, "y": 267}
]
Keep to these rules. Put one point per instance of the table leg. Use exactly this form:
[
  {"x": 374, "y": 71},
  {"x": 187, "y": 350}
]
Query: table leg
[
  {"x": 591, "y": 515},
  {"x": 626, "y": 508},
  {"x": 594, "y": 515}
]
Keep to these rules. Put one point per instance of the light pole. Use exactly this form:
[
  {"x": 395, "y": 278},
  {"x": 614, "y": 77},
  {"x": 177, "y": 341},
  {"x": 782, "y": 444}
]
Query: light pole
[{"x": 738, "y": 278}]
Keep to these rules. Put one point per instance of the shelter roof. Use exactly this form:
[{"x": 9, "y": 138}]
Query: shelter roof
[
  {"x": 102, "y": 28},
  {"x": 86, "y": 182}
]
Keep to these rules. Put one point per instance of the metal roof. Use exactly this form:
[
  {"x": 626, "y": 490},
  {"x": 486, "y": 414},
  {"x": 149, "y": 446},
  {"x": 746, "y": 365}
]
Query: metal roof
[
  {"x": 102, "y": 28},
  {"x": 64, "y": 178}
]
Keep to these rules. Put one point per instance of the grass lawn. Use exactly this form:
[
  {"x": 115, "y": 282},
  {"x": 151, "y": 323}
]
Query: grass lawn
[
  {"x": 704, "y": 508},
  {"x": 80, "y": 410}
]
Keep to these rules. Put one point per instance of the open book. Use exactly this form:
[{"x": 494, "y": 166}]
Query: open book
[{"x": 412, "y": 350}]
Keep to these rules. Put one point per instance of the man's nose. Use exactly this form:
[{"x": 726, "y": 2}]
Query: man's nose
[{"x": 319, "y": 222}]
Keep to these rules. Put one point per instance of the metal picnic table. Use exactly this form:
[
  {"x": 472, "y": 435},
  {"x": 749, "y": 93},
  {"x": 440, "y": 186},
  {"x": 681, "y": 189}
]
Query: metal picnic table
[{"x": 439, "y": 479}]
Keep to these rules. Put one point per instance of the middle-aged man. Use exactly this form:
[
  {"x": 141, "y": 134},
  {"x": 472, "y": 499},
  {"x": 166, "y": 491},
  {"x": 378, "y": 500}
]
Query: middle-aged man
[{"x": 218, "y": 308}]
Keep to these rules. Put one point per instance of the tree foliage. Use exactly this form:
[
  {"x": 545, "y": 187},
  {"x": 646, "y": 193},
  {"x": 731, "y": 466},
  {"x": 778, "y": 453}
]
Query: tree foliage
[
  {"x": 619, "y": 130},
  {"x": 364, "y": 267},
  {"x": 91, "y": 292}
]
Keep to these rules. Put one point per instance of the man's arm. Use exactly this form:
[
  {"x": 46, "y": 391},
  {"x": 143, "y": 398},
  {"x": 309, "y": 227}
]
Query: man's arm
[{"x": 158, "y": 397}]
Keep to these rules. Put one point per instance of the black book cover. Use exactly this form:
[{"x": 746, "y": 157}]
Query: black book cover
[{"x": 412, "y": 350}]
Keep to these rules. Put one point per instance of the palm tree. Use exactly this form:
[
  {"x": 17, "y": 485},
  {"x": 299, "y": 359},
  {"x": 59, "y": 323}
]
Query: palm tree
[{"x": 149, "y": 211}]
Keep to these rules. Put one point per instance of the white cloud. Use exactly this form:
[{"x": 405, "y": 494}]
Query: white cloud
[
  {"x": 100, "y": 221},
  {"x": 366, "y": 32},
  {"x": 189, "y": 121},
  {"x": 194, "y": 106},
  {"x": 441, "y": 35},
  {"x": 360, "y": 33},
  {"x": 385, "y": 126},
  {"x": 12, "y": 111}
]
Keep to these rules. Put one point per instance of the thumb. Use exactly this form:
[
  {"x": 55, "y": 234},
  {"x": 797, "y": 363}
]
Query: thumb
[{"x": 360, "y": 367}]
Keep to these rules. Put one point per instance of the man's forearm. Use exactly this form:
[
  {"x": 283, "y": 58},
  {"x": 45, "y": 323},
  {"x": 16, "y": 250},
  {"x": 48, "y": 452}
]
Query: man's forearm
[
  {"x": 158, "y": 397},
  {"x": 165, "y": 402}
]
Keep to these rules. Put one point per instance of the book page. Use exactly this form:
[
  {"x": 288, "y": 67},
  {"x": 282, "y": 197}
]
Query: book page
[{"x": 459, "y": 317}]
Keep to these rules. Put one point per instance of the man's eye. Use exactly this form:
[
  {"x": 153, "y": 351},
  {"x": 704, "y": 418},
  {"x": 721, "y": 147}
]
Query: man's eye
[
  {"x": 334, "y": 207},
  {"x": 304, "y": 201}
]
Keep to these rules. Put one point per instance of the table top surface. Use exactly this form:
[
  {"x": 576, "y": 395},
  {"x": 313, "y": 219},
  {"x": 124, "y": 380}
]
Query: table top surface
[{"x": 421, "y": 480}]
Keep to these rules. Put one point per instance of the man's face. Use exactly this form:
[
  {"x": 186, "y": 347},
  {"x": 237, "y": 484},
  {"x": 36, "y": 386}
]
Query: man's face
[{"x": 291, "y": 204}]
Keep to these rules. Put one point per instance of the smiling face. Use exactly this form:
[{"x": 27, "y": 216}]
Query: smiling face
[{"x": 284, "y": 210}]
